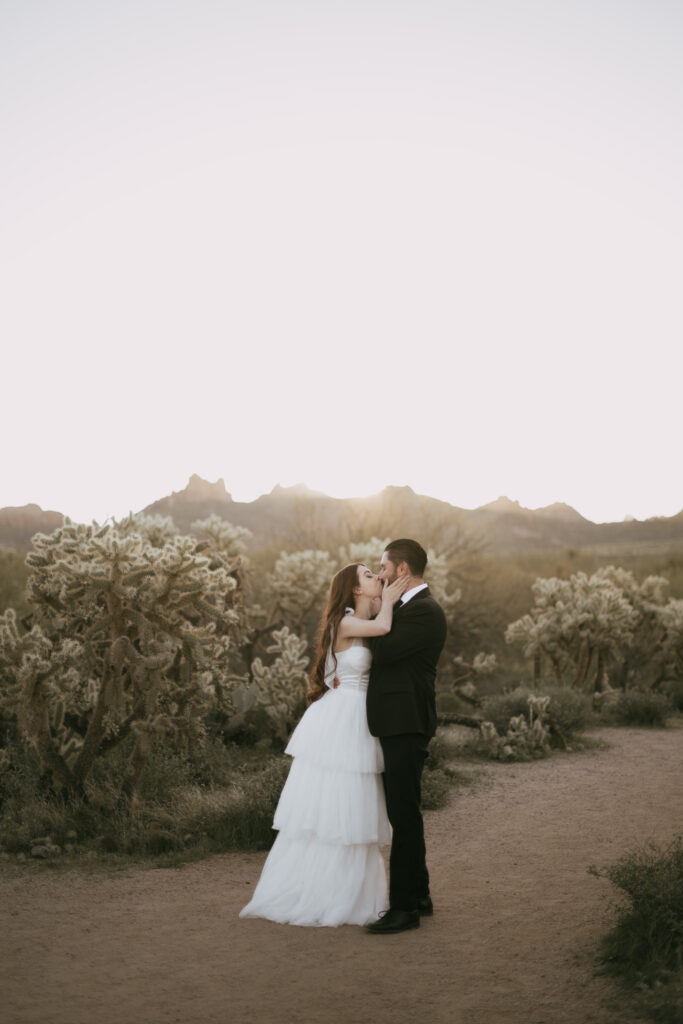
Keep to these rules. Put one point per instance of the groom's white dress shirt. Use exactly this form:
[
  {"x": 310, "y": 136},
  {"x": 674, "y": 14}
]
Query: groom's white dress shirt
[{"x": 412, "y": 592}]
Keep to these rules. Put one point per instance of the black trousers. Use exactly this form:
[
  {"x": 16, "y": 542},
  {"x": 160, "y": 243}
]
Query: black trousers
[{"x": 404, "y": 758}]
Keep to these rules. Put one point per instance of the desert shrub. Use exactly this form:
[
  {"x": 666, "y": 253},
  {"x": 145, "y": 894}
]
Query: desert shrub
[
  {"x": 446, "y": 700},
  {"x": 238, "y": 818},
  {"x": 527, "y": 735},
  {"x": 27, "y": 809},
  {"x": 217, "y": 798},
  {"x": 499, "y": 708},
  {"x": 439, "y": 775},
  {"x": 637, "y": 707},
  {"x": 516, "y": 730},
  {"x": 20, "y": 772},
  {"x": 446, "y": 746},
  {"x": 568, "y": 711},
  {"x": 521, "y": 725},
  {"x": 674, "y": 692},
  {"x": 645, "y": 948},
  {"x": 664, "y": 1003},
  {"x": 436, "y": 788}
]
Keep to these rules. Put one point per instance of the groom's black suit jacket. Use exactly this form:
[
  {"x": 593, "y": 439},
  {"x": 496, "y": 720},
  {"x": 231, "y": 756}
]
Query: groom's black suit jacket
[{"x": 401, "y": 697}]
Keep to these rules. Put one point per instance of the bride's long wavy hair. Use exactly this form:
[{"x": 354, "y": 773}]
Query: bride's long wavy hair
[{"x": 339, "y": 598}]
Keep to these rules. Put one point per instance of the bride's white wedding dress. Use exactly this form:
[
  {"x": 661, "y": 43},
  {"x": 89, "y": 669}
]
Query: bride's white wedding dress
[{"x": 325, "y": 866}]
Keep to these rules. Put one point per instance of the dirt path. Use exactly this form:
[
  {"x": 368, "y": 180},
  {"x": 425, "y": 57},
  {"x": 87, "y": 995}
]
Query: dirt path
[{"x": 511, "y": 941}]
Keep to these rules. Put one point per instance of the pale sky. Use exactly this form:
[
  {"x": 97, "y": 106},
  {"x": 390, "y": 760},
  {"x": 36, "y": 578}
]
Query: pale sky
[{"x": 354, "y": 244}]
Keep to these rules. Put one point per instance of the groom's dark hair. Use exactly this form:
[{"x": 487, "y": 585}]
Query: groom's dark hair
[{"x": 410, "y": 552}]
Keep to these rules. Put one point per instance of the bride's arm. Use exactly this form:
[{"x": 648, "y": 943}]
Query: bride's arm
[{"x": 350, "y": 626}]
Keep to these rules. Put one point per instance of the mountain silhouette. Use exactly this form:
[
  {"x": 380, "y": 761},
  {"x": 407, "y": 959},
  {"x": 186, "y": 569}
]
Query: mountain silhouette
[{"x": 297, "y": 517}]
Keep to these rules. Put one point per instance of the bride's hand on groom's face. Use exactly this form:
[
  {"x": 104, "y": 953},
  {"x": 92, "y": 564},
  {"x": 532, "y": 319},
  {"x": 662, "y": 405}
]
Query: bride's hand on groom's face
[{"x": 393, "y": 591}]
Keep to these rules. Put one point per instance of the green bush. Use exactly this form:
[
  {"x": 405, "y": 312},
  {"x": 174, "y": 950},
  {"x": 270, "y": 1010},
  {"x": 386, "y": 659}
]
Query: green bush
[
  {"x": 645, "y": 948},
  {"x": 636, "y": 707},
  {"x": 674, "y": 692},
  {"x": 446, "y": 700},
  {"x": 499, "y": 708},
  {"x": 664, "y": 1003},
  {"x": 439, "y": 776},
  {"x": 445, "y": 747},
  {"x": 436, "y": 788},
  {"x": 28, "y": 807},
  {"x": 220, "y": 798},
  {"x": 239, "y": 818},
  {"x": 568, "y": 711}
]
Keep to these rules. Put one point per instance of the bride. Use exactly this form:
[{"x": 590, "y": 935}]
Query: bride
[{"x": 325, "y": 866}]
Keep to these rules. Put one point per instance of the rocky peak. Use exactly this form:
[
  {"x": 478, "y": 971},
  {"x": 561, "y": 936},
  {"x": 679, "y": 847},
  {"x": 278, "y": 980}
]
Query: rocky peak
[
  {"x": 299, "y": 490},
  {"x": 502, "y": 504},
  {"x": 560, "y": 510},
  {"x": 198, "y": 490}
]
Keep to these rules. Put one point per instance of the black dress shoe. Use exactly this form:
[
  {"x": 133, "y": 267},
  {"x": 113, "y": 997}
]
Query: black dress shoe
[
  {"x": 425, "y": 906},
  {"x": 393, "y": 920}
]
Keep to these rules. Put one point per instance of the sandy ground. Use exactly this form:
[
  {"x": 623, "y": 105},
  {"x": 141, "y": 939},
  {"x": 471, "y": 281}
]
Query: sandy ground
[{"x": 512, "y": 940}]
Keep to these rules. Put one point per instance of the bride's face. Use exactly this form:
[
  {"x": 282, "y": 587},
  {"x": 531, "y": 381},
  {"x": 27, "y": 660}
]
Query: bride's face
[{"x": 369, "y": 583}]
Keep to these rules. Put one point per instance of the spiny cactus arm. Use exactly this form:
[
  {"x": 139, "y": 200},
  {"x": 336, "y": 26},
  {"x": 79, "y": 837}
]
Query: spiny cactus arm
[
  {"x": 67, "y": 741},
  {"x": 255, "y": 637},
  {"x": 125, "y": 728},
  {"x": 138, "y": 760},
  {"x": 223, "y": 535},
  {"x": 200, "y": 604},
  {"x": 556, "y": 666},
  {"x": 34, "y": 720},
  {"x": 95, "y": 733},
  {"x": 583, "y": 663}
]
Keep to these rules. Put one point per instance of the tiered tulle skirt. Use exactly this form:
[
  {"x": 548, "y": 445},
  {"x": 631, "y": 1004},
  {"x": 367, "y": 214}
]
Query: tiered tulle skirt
[{"x": 325, "y": 866}]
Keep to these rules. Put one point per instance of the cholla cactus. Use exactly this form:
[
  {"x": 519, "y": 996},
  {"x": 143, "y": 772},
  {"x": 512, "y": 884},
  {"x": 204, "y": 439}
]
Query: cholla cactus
[
  {"x": 224, "y": 536},
  {"x": 365, "y": 553},
  {"x": 468, "y": 674},
  {"x": 437, "y": 574},
  {"x": 578, "y": 624},
  {"x": 586, "y": 624},
  {"x": 671, "y": 653},
  {"x": 299, "y": 583},
  {"x": 282, "y": 684},
  {"x": 156, "y": 530},
  {"x": 127, "y": 637},
  {"x": 644, "y": 660},
  {"x": 38, "y": 679}
]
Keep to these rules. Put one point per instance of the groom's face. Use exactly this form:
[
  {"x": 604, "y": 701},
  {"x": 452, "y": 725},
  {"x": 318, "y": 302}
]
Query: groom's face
[{"x": 388, "y": 572}]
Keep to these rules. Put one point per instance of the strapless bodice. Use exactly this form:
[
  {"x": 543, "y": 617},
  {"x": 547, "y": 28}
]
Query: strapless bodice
[{"x": 353, "y": 667}]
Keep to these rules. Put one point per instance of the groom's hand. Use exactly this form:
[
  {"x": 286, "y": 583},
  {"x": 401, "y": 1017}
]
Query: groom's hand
[{"x": 336, "y": 683}]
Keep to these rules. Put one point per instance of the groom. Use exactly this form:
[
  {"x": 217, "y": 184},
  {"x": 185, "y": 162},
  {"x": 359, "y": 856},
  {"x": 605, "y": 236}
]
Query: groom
[{"x": 402, "y": 713}]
